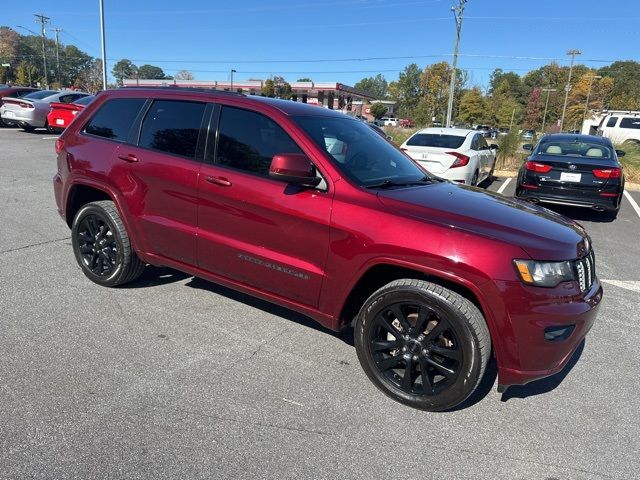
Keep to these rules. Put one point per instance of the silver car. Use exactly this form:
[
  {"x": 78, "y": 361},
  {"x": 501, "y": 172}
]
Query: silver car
[{"x": 30, "y": 112}]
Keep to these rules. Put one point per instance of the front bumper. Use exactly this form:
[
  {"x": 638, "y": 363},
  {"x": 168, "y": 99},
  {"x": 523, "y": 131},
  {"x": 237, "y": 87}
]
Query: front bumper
[{"x": 533, "y": 311}]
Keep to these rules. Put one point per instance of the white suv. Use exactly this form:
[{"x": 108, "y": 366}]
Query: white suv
[
  {"x": 388, "y": 122},
  {"x": 621, "y": 128}
]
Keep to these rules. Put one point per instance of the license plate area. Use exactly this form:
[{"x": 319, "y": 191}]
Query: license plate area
[
  {"x": 570, "y": 177},
  {"x": 59, "y": 121}
]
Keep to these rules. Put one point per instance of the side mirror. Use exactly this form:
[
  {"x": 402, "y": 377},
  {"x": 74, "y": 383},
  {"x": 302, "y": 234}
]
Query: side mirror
[
  {"x": 620, "y": 153},
  {"x": 293, "y": 168},
  {"x": 493, "y": 146},
  {"x": 527, "y": 146}
]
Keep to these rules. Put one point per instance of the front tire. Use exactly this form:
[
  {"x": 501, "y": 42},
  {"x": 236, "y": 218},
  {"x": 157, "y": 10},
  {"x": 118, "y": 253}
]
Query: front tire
[
  {"x": 422, "y": 344},
  {"x": 102, "y": 246}
]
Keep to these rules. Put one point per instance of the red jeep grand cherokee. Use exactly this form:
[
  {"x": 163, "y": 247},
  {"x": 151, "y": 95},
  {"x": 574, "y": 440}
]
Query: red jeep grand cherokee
[{"x": 310, "y": 209}]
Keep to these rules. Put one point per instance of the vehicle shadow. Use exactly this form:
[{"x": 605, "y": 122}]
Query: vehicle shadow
[
  {"x": 346, "y": 335},
  {"x": 155, "y": 276},
  {"x": 543, "y": 385}
]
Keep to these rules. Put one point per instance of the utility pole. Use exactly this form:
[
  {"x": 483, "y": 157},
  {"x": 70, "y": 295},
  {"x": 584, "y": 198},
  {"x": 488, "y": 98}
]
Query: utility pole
[
  {"x": 232, "y": 72},
  {"x": 586, "y": 104},
  {"x": 573, "y": 54},
  {"x": 43, "y": 21},
  {"x": 103, "y": 47},
  {"x": 457, "y": 15},
  {"x": 546, "y": 105},
  {"x": 58, "y": 30}
]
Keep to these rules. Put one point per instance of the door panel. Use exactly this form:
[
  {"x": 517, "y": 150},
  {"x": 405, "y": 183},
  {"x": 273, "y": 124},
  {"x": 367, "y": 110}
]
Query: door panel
[{"x": 262, "y": 232}]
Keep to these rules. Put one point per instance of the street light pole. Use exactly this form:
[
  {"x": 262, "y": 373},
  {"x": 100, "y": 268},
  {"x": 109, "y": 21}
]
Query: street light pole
[
  {"x": 573, "y": 54},
  {"x": 232, "y": 72},
  {"x": 103, "y": 47},
  {"x": 586, "y": 104},
  {"x": 546, "y": 105},
  {"x": 457, "y": 14}
]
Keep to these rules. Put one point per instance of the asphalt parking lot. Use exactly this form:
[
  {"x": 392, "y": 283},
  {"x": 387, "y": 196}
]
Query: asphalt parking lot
[{"x": 175, "y": 377}]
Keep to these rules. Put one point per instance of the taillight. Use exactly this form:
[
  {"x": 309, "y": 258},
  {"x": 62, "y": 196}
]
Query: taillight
[
  {"x": 537, "y": 167},
  {"x": 59, "y": 145},
  {"x": 25, "y": 105},
  {"x": 607, "y": 173},
  {"x": 460, "y": 161}
]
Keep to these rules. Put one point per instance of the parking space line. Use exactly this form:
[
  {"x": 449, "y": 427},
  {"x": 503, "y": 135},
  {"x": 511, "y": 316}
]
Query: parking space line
[
  {"x": 631, "y": 285},
  {"x": 47, "y": 138},
  {"x": 632, "y": 202},
  {"x": 504, "y": 185}
]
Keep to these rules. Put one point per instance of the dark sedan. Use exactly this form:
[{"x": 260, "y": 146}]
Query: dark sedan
[{"x": 576, "y": 170}]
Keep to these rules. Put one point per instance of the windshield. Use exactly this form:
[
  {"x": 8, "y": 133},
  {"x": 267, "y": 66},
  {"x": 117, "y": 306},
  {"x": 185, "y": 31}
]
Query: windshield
[
  {"x": 40, "y": 95},
  {"x": 573, "y": 149},
  {"x": 435, "y": 140},
  {"x": 360, "y": 153},
  {"x": 84, "y": 100}
]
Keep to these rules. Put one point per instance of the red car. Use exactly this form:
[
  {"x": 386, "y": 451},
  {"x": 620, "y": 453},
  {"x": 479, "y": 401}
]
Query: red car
[
  {"x": 62, "y": 114},
  {"x": 406, "y": 123},
  {"x": 313, "y": 210}
]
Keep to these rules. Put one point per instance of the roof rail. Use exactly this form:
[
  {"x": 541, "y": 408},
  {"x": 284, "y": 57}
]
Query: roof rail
[{"x": 186, "y": 89}]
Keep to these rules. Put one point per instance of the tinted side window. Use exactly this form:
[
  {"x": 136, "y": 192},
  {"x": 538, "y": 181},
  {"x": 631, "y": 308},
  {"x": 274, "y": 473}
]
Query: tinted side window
[
  {"x": 114, "y": 119},
  {"x": 612, "y": 122},
  {"x": 172, "y": 127},
  {"x": 630, "y": 122},
  {"x": 475, "y": 143},
  {"x": 482, "y": 144},
  {"x": 248, "y": 141}
]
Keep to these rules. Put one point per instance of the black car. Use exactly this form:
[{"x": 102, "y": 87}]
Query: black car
[{"x": 576, "y": 170}]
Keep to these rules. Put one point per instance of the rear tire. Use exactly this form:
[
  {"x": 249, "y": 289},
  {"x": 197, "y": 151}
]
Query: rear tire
[
  {"x": 102, "y": 246},
  {"x": 422, "y": 344},
  {"x": 27, "y": 128}
]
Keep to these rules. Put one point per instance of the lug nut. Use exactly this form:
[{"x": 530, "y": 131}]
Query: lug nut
[{"x": 415, "y": 357}]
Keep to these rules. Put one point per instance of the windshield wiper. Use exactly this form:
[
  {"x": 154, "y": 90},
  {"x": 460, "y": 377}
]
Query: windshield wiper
[{"x": 392, "y": 183}]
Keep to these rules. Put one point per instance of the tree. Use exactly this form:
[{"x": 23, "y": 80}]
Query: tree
[
  {"x": 73, "y": 62},
  {"x": 90, "y": 80},
  {"x": 378, "y": 110},
  {"x": 434, "y": 88},
  {"x": 407, "y": 90},
  {"x": 473, "y": 107},
  {"x": 625, "y": 94},
  {"x": 516, "y": 87},
  {"x": 9, "y": 46},
  {"x": 268, "y": 88},
  {"x": 376, "y": 86},
  {"x": 25, "y": 73},
  {"x": 305, "y": 79},
  {"x": 184, "y": 75},
  {"x": 150, "y": 72},
  {"x": 532, "y": 118},
  {"x": 124, "y": 68}
]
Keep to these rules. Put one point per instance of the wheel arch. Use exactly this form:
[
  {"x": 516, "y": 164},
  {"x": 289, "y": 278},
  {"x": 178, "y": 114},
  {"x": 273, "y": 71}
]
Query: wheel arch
[
  {"x": 80, "y": 194},
  {"x": 381, "y": 274}
]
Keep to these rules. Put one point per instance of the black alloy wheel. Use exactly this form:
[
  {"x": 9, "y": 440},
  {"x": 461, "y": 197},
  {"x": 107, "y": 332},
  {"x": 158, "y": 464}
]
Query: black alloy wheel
[
  {"x": 97, "y": 245},
  {"x": 102, "y": 246},
  {"x": 415, "y": 348},
  {"x": 422, "y": 344}
]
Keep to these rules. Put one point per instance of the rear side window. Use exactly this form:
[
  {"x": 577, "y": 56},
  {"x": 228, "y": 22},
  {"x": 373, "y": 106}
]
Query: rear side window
[
  {"x": 172, "y": 127},
  {"x": 612, "y": 122},
  {"x": 435, "y": 140},
  {"x": 114, "y": 119},
  {"x": 248, "y": 141},
  {"x": 630, "y": 122}
]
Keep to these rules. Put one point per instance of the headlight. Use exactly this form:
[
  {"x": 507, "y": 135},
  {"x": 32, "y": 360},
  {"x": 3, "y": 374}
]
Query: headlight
[{"x": 544, "y": 274}]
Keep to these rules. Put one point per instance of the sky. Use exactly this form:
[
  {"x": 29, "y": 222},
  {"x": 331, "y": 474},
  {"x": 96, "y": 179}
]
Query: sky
[{"x": 340, "y": 40}]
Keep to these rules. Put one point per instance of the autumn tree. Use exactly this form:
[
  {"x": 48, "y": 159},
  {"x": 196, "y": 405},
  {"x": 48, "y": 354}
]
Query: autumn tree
[
  {"x": 407, "y": 90},
  {"x": 532, "y": 117},
  {"x": 473, "y": 107}
]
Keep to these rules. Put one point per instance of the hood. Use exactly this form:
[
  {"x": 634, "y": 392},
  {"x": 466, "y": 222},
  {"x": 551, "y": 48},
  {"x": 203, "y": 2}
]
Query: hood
[{"x": 541, "y": 233}]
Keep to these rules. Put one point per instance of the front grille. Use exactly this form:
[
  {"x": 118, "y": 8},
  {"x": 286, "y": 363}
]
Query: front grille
[{"x": 585, "y": 270}]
